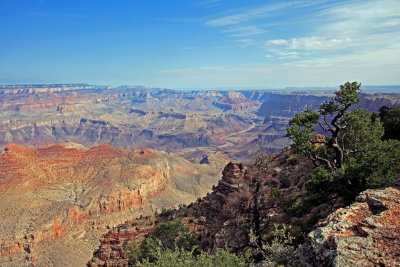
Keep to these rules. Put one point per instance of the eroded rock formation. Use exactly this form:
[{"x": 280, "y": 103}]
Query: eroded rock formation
[
  {"x": 66, "y": 192},
  {"x": 367, "y": 233}
]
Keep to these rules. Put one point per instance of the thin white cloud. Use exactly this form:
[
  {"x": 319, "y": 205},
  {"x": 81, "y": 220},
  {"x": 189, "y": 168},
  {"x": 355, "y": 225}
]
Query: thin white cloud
[
  {"x": 361, "y": 17},
  {"x": 353, "y": 29},
  {"x": 255, "y": 13},
  {"x": 209, "y": 3},
  {"x": 276, "y": 42},
  {"x": 318, "y": 72},
  {"x": 242, "y": 31},
  {"x": 245, "y": 42},
  {"x": 310, "y": 43}
]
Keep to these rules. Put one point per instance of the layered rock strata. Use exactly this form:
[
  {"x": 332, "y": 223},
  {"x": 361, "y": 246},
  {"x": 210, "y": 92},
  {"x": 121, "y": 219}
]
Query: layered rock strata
[{"x": 56, "y": 192}]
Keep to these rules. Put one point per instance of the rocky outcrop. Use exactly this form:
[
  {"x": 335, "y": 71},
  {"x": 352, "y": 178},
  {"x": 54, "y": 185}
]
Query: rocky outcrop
[
  {"x": 367, "y": 233},
  {"x": 113, "y": 250},
  {"x": 232, "y": 177}
]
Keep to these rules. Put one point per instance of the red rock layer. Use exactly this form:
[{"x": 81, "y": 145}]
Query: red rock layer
[{"x": 66, "y": 187}]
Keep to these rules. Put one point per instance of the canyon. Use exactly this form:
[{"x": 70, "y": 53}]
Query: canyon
[
  {"x": 68, "y": 195},
  {"x": 85, "y": 162},
  {"x": 235, "y": 123}
]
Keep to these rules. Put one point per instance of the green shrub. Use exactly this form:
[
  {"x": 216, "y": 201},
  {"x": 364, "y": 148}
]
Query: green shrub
[
  {"x": 376, "y": 166},
  {"x": 280, "y": 249},
  {"x": 168, "y": 233},
  {"x": 296, "y": 209},
  {"x": 167, "y": 236},
  {"x": 183, "y": 258},
  {"x": 275, "y": 193}
]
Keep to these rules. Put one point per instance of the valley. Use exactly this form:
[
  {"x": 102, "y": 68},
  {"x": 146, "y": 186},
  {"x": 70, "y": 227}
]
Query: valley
[
  {"x": 80, "y": 159},
  {"x": 163, "y": 119}
]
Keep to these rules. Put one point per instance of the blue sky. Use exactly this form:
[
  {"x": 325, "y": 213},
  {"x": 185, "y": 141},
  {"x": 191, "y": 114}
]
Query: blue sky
[{"x": 200, "y": 44}]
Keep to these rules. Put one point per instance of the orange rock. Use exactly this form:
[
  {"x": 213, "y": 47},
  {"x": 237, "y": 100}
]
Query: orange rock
[{"x": 47, "y": 192}]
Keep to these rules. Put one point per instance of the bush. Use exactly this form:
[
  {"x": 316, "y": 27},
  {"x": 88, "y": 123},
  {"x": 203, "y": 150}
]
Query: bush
[
  {"x": 167, "y": 236},
  {"x": 296, "y": 209},
  {"x": 275, "y": 193},
  {"x": 168, "y": 233},
  {"x": 279, "y": 249},
  {"x": 390, "y": 118},
  {"x": 377, "y": 166},
  {"x": 183, "y": 258}
]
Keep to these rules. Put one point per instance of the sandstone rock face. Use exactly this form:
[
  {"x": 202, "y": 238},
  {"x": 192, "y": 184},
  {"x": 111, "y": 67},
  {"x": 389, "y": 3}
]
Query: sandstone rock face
[
  {"x": 64, "y": 192},
  {"x": 367, "y": 233}
]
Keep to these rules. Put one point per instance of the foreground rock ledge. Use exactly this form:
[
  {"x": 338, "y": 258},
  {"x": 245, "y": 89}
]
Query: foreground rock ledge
[{"x": 367, "y": 233}]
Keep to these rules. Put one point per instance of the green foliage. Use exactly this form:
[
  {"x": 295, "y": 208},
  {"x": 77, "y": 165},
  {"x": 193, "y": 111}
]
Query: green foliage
[
  {"x": 275, "y": 193},
  {"x": 183, "y": 258},
  {"x": 328, "y": 152},
  {"x": 296, "y": 209},
  {"x": 301, "y": 132},
  {"x": 362, "y": 132},
  {"x": 138, "y": 251},
  {"x": 293, "y": 207},
  {"x": 186, "y": 241},
  {"x": 168, "y": 233},
  {"x": 167, "y": 236},
  {"x": 348, "y": 94},
  {"x": 390, "y": 118},
  {"x": 279, "y": 249},
  {"x": 320, "y": 182},
  {"x": 352, "y": 156},
  {"x": 377, "y": 166},
  {"x": 372, "y": 167}
]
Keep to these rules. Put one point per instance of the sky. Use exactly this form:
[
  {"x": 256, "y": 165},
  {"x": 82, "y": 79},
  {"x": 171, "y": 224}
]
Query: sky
[{"x": 200, "y": 44}]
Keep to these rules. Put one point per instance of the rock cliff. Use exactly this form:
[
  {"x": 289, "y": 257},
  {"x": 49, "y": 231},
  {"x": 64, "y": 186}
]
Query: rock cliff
[{"x": 367, "y": 233}]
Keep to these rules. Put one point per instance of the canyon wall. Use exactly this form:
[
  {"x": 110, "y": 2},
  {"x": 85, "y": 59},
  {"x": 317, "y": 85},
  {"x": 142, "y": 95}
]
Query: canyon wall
[{"x": 56, "y": 192}]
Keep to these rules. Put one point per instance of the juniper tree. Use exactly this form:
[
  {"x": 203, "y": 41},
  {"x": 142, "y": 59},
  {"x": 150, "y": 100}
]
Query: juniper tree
[
  {"x": 332, "y": 119},
  {"x": 344, "y": 142}
]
